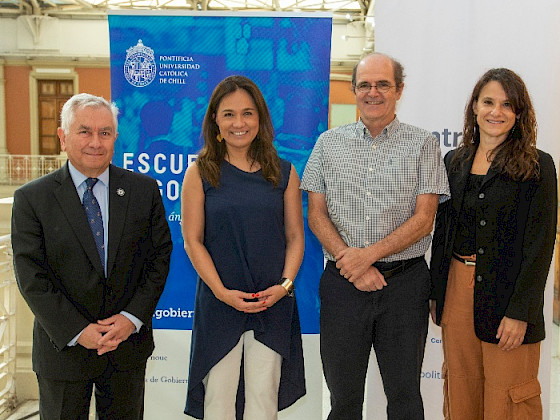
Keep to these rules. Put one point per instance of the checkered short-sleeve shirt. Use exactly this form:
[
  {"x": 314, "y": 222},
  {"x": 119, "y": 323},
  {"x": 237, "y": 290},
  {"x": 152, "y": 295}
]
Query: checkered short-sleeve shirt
[{"x": 371, "y": 184}]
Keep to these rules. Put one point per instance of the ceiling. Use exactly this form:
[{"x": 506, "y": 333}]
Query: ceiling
[
  {"x": 98, "y": 8},
  {"x": 353, "y": 20}
]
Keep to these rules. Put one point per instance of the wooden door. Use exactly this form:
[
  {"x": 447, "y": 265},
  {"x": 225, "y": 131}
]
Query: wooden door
[{"x": 52, "y": 96}]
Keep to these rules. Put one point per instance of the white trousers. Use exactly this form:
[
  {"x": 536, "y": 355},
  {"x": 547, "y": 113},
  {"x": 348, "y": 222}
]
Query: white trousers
[{"x": 262, "y": 369}]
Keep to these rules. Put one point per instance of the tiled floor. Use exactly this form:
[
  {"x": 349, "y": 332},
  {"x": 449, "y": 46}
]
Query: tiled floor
[{"x": 29, "y": 409}]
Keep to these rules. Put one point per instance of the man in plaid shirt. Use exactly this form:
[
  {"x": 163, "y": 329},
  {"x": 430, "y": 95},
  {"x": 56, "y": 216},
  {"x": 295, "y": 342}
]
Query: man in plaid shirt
[{"x": 373, "y": 189}]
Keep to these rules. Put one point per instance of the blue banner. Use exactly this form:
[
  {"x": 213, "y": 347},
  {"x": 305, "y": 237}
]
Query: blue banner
[{"x": 163, "y": 71}]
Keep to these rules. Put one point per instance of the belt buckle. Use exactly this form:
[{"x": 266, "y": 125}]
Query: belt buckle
[{"x": 393, "y": 271}]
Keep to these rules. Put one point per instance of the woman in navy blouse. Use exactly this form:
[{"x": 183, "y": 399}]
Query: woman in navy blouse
[{"x": 243, "y": 228}]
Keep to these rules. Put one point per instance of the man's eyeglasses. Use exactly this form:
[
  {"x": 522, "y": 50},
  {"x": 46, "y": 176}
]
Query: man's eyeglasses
[{"x": 382, "y": 87}]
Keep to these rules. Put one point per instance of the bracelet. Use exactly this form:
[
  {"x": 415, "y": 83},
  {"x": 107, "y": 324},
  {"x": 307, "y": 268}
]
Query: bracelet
[{"x": 288, "y": 285}]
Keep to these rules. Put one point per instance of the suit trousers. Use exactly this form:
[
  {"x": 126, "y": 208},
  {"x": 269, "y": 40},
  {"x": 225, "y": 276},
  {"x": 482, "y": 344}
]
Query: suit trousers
[
  {"x": 261, "y": 370},
  {"x": 118, "y": 395},
  {"x": 481, "y": 381},
  {"x": 394, "y": 320}
]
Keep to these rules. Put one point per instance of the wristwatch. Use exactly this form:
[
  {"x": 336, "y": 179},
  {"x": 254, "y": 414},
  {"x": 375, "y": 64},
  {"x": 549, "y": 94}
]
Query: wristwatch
[{"x": 287, "y": 284}]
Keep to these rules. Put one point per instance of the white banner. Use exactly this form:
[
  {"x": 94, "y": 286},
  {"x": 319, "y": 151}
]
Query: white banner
[{"x": 445, "y": 46}]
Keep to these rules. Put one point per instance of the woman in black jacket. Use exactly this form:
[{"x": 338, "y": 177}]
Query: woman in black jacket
[{"x": 491, "y": 254}]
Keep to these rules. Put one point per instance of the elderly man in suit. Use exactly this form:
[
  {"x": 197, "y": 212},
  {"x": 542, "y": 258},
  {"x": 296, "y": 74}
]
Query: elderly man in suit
[{"x": 91, "y": 253}]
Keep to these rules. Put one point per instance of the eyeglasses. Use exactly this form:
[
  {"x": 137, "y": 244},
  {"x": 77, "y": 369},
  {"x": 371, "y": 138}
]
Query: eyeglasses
[{"x": 382, "y": 87}]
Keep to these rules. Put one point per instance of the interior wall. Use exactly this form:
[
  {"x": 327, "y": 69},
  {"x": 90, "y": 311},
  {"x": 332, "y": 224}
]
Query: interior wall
[
  {"x": 340, "y": 93},
  {"x": 82, "y": 45},
  {"x": 17, "y": 109},
  {"x": 96, "y": 81}
]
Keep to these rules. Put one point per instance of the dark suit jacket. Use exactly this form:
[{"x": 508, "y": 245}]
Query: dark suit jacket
[
  {"x": 60, "y": 275},
  {"x": 515, "y": 232}
]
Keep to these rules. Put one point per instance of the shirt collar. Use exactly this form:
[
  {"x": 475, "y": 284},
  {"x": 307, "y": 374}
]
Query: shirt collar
[
  {"x": 388, "y": 131},
  {"x": 78, "y": 178}
]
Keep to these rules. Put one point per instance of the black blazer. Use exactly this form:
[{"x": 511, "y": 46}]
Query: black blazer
[
  {"x": 515, "y": 232},
  {"x": 60, "y": 275}
]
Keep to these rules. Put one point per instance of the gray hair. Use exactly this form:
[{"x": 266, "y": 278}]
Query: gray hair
[{"x": 84, "y": 100}]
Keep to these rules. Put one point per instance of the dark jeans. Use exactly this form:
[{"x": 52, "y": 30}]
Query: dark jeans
[
  {"x": 394, "y": 321},
  {"x": 118, "y": 395}
]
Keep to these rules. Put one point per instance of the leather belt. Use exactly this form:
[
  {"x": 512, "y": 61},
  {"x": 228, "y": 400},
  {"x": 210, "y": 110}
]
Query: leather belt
[
  {"x": 463, "y": 260},
  {"x": 390, "y": 269}
]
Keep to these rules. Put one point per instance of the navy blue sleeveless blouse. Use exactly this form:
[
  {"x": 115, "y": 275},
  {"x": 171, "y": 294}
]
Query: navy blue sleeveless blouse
[{"x": 244, "y": 234}]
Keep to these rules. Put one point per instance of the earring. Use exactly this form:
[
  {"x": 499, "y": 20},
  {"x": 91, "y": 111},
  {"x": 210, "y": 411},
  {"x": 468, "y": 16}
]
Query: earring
[{"x": 219, "y": 137}]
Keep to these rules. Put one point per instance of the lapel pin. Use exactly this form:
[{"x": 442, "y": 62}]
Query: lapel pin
[{"x": 120, "y": 192}]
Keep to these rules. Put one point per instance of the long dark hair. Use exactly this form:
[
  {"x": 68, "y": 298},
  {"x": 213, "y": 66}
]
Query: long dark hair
[
  {"x": 517, "y": 155},
  {"x": 262, "y": 150}
]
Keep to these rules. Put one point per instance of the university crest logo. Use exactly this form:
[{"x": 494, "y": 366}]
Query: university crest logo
[{"x": 139, "y": 66}]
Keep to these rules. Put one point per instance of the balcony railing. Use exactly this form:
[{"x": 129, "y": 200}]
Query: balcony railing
[
  {"x": 8, "y": 290},
  {"x": 19, "y": 169}
]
